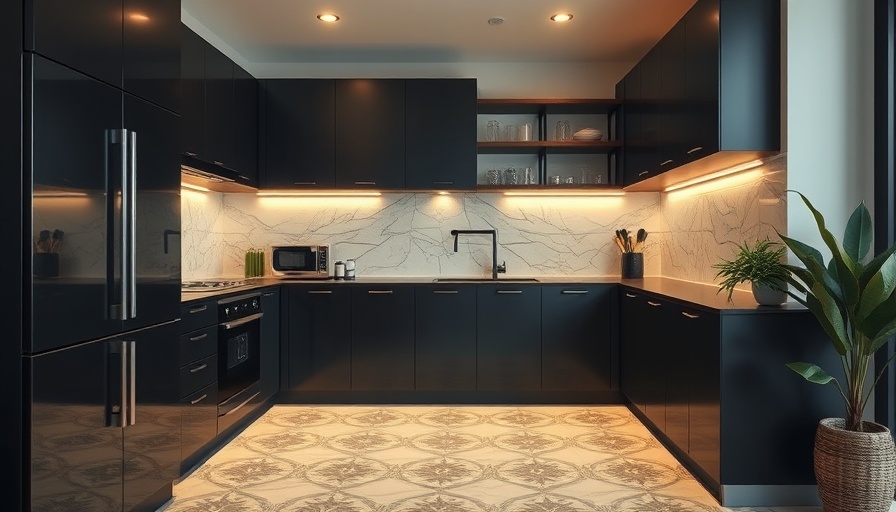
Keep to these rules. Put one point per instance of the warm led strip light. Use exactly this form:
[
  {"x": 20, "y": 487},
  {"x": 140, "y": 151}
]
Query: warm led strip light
[
  {"x": 302, "y": 193},
  {"x": 566, "y": 193},
  {"x": 714, "y": 176},
  {"x": 194, "y": 187}
]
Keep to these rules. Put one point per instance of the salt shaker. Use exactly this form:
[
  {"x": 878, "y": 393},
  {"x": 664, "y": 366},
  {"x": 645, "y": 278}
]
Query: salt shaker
[
  {"x": 339, "y": 270},
  {"x": 349, "y": 269}
]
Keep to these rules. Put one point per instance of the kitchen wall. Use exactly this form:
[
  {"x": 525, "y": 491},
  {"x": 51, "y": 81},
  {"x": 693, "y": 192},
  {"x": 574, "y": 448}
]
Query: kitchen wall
[{"x": 408, "y": 234}]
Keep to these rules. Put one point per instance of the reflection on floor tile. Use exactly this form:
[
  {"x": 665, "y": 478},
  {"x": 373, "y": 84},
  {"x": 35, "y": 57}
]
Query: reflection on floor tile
[{"x": 444, "y": 459}]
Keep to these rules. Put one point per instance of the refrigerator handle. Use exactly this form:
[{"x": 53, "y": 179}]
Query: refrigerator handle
[
  {"x": 121, "y": 309},
  {"x": 131, "y": 217},
  {"x": 132, "y": 382},
  {"x": 117, "y": 399}
]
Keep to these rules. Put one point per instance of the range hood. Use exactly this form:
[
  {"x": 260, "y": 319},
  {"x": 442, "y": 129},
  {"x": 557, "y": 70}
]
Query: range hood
[{"x": 213, "y": 176}]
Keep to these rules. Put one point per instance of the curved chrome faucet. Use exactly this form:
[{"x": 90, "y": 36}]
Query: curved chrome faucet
[{"x": 496, "y": 269}]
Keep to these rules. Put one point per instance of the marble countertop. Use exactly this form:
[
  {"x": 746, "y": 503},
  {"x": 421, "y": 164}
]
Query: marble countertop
[{"x": 699, "y": 294}]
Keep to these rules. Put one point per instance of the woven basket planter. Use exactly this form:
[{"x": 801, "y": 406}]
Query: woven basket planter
[{"x": 856, "y": 471}]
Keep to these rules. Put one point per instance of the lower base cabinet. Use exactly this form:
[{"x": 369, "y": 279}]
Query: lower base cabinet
[
  {"x": 319, "y": 338},
  {"x": 730, "y": 406},
  {"x": 509, "y": 338},
  {"x": 269, "y": 331},
  {"x": 382, "y": 321},
  {"x": 445, "y": 324}
]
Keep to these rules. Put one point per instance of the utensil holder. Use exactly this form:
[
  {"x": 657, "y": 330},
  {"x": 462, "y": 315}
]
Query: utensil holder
[
  {"x": 46, "y": 264},
  {"x": 632, "y": 265}
]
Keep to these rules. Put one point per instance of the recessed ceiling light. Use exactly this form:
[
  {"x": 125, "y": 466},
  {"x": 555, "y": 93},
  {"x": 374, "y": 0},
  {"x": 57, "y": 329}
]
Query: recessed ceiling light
[
  {"x": 495, "y": 21},
  {"x": 329, "y": 18},
  {"x": 561, "y": 18}
]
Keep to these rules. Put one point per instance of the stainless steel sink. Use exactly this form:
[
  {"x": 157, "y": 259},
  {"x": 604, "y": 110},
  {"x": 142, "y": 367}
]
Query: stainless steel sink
[{"x": 508, "y": 280}]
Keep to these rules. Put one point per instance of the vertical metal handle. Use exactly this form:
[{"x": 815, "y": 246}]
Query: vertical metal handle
[
  {"x": 124, "y": 230},
  {"x": 132, "y": 382},
  {"x": 132, "y": 219},
  {"x": 117, "y": 401}
]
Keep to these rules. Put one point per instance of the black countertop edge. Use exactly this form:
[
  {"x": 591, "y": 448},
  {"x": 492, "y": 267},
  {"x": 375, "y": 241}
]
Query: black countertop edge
[{"x": 698, "y": 294}]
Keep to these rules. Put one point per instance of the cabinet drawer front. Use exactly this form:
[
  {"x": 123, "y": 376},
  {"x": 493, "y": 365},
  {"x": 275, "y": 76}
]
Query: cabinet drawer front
[
  {"x": 200, "y": 419},
  {"x": 199, "y": 344},
  {"x": 198, "y": 375},
  {"x": 197, "y": 315}
]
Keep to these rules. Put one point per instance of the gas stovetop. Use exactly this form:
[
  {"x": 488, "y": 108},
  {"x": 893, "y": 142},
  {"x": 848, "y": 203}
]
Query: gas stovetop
[{"x": 211, "y": 285}]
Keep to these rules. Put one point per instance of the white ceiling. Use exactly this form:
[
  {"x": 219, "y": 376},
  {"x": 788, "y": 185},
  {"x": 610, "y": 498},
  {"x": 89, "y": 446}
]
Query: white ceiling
[{"x": 411, "y": 31}]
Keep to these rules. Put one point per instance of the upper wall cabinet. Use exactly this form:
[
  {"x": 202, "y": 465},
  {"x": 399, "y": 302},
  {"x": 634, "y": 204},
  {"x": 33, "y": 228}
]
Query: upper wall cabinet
[
  {"x": 440, "y": 134},
  {"x": 706, "y": 97},
  {"x": 219, "y": 122},
  {"x": 130, "y": 44},
  {"x": 379, "y": 134},
  {"x": 297, "y": 134}
]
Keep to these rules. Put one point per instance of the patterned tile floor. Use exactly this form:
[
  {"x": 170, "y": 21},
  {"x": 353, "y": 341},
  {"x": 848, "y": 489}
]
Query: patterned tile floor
[{"x": 444, "y": 459}]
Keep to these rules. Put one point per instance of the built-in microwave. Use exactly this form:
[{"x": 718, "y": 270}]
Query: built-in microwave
[{"x": 301, "y": 260}]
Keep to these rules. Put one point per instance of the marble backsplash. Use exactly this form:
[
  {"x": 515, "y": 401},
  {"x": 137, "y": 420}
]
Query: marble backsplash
[{"x": 409, "y": 234}]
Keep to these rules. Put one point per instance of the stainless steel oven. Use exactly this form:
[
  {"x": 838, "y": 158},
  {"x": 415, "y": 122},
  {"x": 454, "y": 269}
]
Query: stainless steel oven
[{"x": 239, "y": 320}]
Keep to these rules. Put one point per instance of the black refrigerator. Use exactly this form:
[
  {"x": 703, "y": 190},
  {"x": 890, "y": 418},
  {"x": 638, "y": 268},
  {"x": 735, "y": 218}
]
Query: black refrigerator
[{"x": 100, "y": 343}]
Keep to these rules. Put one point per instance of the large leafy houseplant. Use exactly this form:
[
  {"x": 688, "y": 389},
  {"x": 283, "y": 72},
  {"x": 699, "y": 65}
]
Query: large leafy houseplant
[{"x": 852, "y": 298}]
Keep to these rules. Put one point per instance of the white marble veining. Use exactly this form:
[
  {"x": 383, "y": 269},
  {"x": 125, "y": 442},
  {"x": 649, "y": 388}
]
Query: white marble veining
[{"x": 399, "y": 235}]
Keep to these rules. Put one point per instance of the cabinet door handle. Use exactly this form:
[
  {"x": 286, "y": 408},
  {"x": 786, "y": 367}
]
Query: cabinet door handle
[
  {"x": 201, "y": 398},
  {"x": 200, "y": 337},
  {"x": 574, "y": 292},
  {"x": 694, "y": 150},
  {"x": 689, "y": 315},
  {"x": 510, "y": 292},
  {"x": 654, "y": 304},
  {"x": 379, "y": 292},
  {"x": 200, "y": 309},
  {"x": 269, "y": 294},
  {"x": 304, "y": 183},
  {"x": 443, "y": 183},
  {"x": 190, "y": 153},
  {"x": 667, "y": 162},
  {"x": 630, "y": 295},
  {"x": 642, "y": 173},
  {"x": 445, "y": 292},
  {"x": 365, "y": 183},
  {"x": 320, "y": 292},
  {"x": 199, "y": 368},
  {"x": 219, "y": 163}
]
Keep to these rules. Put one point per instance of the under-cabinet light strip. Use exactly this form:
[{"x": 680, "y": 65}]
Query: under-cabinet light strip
[
  {"x": 194, "y": 187},
  {"x": 714, "y": 176},
  {"x": 565, "y": 193},
  {"x": 303, "y": 193}
]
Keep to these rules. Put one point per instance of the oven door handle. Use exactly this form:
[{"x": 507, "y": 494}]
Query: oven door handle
[{"x": 241, "y": 321}]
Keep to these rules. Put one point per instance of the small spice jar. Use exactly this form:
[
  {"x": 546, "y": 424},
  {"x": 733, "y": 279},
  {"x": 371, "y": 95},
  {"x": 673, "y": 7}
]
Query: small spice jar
[
  {"x": 349, "y": 269},
  {"x": 339, "y": 270}
]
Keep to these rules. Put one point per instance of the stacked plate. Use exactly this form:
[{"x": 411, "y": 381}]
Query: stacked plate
[{"x": 587, "y": 134}]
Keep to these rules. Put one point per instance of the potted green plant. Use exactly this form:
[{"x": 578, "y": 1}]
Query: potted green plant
[
  {"x": 762, "y": 266},
  {"x": 852, "y": 298}
]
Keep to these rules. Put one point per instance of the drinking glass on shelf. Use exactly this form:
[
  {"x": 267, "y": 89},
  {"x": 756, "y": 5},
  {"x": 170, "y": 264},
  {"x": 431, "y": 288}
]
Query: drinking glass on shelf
[
  {"x": 561, "y": 132},
  {"x": 569, "y": 180},
  {"x": 554, "y": 180},
  {"x": 492, "y": 129},
  {"x": 493, "y": 177},
  {"x": 510, "y": 132},
  {"x": 587, "y": 175},
  {"x": 524, "y": 132},
  {"x": 510, "y": 176},
  {"x": 530, "y": 177}
]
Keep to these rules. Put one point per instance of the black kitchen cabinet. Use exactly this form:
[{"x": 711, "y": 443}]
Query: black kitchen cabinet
[
  {"x": 319, "y": 338},
  {"x": 130, "y": 44},
  {"x": 440, "y": 128},
  {"x": 726, "y": 110},
  {"x": 382, "y": 322},
  {"x": 269, "y": 332},
  {"x": 370, "y": 133},
  {"x": 220, "y": 125},
  {"x": 576, "y": 342},
  {"x": 445, "y": 318},
  {"x": 700, "y": 348},
  {"x": 634, "y": 348},
  {"x": 219, "y": 108},
  {"x": 192, "y": 71},
  {"x": 297, "y": 127},
  {"x": 509, "y": 337},
  {"x": 245, "y": 123},
  {"x": 198, "y": 380},
  {"x": 632, "y": 122},
  {"x": 94, "y": 444}
]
